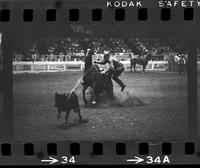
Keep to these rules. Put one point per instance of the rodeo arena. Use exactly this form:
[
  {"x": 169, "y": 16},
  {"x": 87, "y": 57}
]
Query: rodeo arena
[{"x": 88, "y": 82}]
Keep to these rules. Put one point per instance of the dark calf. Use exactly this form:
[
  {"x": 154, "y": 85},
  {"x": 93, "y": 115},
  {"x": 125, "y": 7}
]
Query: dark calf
[{"x": 66, "y": 103}]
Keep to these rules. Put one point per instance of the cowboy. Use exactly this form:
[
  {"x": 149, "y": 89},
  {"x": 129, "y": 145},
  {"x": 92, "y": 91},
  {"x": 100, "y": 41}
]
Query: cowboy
[
  {"x": 88, "y": 60},
  {"x": 115, "y": 68}
]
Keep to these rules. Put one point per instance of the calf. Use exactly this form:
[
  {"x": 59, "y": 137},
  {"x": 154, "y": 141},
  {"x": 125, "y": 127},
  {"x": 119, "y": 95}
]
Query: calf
[{"x": 66, "y": 103}]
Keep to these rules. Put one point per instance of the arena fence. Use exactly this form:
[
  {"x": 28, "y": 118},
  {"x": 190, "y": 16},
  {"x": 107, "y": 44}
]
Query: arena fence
[{"x": 34, "y": 67}]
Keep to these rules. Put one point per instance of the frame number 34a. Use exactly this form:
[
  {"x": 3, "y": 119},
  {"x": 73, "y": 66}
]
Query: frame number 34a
[{"x": 151, "y": 160}]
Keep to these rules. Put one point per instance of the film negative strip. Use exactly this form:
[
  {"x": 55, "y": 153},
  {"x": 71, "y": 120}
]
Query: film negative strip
[{"x": 99, "y": 82}]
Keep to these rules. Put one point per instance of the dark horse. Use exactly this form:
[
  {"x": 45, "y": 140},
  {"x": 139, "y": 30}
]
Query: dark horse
[
  {"x": 181, "y": 62},
  {"x": 141, "y": 61},
  {"x": 93, "y": 78}
]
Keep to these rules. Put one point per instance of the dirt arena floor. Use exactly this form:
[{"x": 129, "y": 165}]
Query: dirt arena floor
[{"x": 152, "y": 107}]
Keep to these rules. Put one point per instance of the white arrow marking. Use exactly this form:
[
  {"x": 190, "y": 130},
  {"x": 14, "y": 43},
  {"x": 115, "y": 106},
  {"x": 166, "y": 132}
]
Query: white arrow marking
[
  {"x": 51, "y": 161},
  {"x": 136, "y": 160}
]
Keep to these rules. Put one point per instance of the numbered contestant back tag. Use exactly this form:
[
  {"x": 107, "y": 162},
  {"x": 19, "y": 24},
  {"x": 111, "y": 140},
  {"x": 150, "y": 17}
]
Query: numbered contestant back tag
[{"x": 99, "y": 82}]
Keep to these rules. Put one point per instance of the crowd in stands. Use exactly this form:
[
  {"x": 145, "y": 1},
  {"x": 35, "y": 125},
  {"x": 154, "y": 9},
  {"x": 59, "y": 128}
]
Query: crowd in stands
[{"x": 72, "y": 48}]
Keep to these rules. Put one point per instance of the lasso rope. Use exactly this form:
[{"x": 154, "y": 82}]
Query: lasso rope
[{"x": 79, "y": 80}]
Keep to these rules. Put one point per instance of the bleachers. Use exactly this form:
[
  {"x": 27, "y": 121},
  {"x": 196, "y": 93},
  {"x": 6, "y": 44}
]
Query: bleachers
[
  {"x": 70, "y": 49},
  {"x": 70, "y": 44}
]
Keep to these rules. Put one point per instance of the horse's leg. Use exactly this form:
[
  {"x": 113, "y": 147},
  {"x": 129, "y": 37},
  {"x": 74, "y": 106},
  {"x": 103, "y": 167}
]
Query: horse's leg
[
  {"x": 180, "y": 68},
  {"x": 134, "y": 67},
  {"x": 80, "y": 117},
  {"x": 59, "y": 111},
  {"x": 110, "y": 90},
  {"x": 83, "y": 92},
  {"x": 94, "y": 94},
  {"x": 131, "y": 66},
  {"x": 67, "y": 116},
  {"x": 143, "y": 68}
]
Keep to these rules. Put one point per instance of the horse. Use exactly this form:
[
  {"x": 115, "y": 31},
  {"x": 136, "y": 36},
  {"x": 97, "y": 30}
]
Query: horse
[
  {"x": 99, "y": 82},
  {"x": 141, "y": 61}
]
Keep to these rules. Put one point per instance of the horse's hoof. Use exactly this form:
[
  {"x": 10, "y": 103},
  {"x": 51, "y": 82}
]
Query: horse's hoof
[
  {"x": 86, "y": 103},
  {"x": 66, "y": 123},
  {"x": 94, "y": 102},
  {"x": 82, "y": 121}
]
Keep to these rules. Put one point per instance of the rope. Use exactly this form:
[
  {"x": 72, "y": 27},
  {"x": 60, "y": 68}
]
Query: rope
[{"x": 79, "y": 80}]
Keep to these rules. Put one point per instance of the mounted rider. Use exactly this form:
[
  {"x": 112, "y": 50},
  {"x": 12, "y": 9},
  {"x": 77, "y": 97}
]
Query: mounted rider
[
  {"x": 181, "y": 61},
  {"x": 88, "y": 58},
  {"x": 115, "y": 68},
  {"x": 88, "y": 63},
  {"x": 92, "y": 77}
]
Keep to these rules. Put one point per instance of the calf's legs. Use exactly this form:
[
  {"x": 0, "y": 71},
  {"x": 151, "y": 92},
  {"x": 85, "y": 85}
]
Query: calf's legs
[
  {"x": 67, "y": 116},
  {"x": 59, "y": 111}
]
